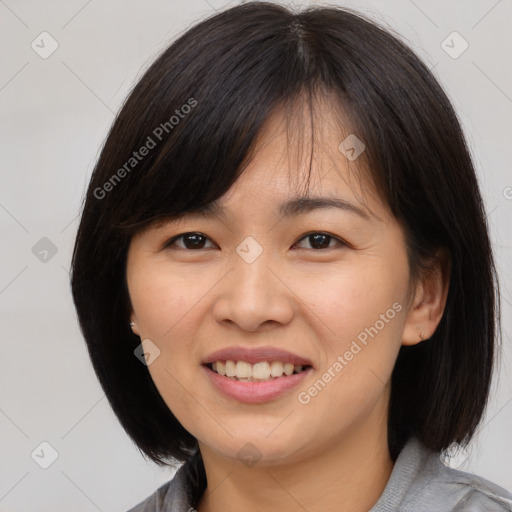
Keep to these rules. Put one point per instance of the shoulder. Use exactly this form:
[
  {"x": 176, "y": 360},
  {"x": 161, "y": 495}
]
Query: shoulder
[
  {"x": 421, "y": 482},
  {"x": 465, "y": 492},
  {"x": 169, "y": 497},
  {"x": 155, "y": 502},
  {"x": 179, "y": 494}
]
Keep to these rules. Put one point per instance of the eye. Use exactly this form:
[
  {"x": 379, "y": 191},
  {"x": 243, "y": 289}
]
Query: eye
[
  {"x": 191, "y": 241},
  {"x": 319, "y": 241}
]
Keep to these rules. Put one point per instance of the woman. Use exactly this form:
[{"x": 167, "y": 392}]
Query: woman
[{"x": 283, "y": 271}]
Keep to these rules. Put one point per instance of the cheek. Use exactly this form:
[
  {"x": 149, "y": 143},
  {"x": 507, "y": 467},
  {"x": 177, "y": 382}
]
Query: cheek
[
  {"x": 167, "y": 305},
  {"x": 359, "y": 316},
  {"x": 165, "y": 300},
  {"x": 171, "y": 304},
  {"x": 356, "y": 298}
]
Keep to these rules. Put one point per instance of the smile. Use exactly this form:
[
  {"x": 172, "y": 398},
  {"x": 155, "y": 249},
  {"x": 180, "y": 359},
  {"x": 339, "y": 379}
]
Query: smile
[
  {"x": 252, "y": 390},
  {"x": 263, "y": 371}
]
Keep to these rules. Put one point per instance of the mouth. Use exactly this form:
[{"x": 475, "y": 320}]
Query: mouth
[
  {"x": 244, "y": 371},
  {"x": 255, "y": 375}
]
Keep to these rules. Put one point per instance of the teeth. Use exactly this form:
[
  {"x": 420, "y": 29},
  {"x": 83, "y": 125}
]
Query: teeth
[
  {"x": 260, "y": 370},
  {"x": 242, "y": 370},
  {"x": 276, "y": 369},
  {"x": 288, "y": 368},
  {"x": 230, "y": 369}
]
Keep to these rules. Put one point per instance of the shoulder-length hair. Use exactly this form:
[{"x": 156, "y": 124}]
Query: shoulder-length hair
[{"x": 184, "y": 135}]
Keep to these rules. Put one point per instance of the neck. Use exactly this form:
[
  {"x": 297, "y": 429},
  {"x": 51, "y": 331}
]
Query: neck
[{"x": 349, "y": 474}]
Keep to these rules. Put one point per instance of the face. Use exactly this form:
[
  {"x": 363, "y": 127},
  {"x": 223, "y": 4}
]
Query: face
[{"x": 317, "y": 286}]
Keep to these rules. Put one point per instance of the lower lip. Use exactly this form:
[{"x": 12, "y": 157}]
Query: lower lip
[{"x": 255, "y": 392}]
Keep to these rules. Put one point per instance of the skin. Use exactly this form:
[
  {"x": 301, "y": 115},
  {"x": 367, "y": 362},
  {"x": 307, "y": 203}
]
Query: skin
[{"x": 332, "y": 452}]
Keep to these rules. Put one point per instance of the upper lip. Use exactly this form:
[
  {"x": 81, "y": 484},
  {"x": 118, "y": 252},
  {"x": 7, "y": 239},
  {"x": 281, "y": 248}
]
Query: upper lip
[{"x": 256, "y": 355}]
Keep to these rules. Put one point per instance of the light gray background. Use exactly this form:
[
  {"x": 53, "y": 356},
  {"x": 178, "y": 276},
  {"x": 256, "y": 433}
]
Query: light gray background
[{"x": 55, "y": 114}]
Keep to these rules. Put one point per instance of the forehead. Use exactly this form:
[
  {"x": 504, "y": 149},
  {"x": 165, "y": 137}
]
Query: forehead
[{"x": 302, "y": 153}]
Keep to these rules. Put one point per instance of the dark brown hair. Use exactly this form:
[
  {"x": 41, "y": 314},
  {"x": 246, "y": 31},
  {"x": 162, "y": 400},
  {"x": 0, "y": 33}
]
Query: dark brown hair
[{"x": 197, "y": 112}]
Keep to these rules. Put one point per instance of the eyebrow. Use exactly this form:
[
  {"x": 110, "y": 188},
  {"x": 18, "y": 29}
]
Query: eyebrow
[
  {"x": 295, "y": 206},
  {"x": 305, "y": 204}
]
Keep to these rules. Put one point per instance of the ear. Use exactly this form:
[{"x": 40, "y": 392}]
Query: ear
[
  {"x": 133, "y": 324},
  {"x": 429, "y": 301}
]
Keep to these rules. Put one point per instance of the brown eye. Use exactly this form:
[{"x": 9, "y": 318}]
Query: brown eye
[
  {"x": 319, "y": 241},
  {"x": 190, "y": 241}
]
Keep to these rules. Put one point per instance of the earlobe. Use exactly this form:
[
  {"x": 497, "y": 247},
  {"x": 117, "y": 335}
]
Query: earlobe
[
  {"x": 417, "y": 328},
  {"x": 133, "y": 325},
  {"x": 429, "y": 302}
]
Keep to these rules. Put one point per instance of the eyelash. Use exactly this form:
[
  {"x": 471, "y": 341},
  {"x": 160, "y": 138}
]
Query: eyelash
[{"x": 171, "y": 242}]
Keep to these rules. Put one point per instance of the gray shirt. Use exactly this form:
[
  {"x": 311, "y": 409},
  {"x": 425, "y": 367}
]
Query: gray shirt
[{"x": 419, "y": 482}]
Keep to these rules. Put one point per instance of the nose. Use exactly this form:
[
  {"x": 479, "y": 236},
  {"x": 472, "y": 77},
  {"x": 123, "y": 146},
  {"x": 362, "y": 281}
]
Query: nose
[{"x": 253, "y": 297}]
